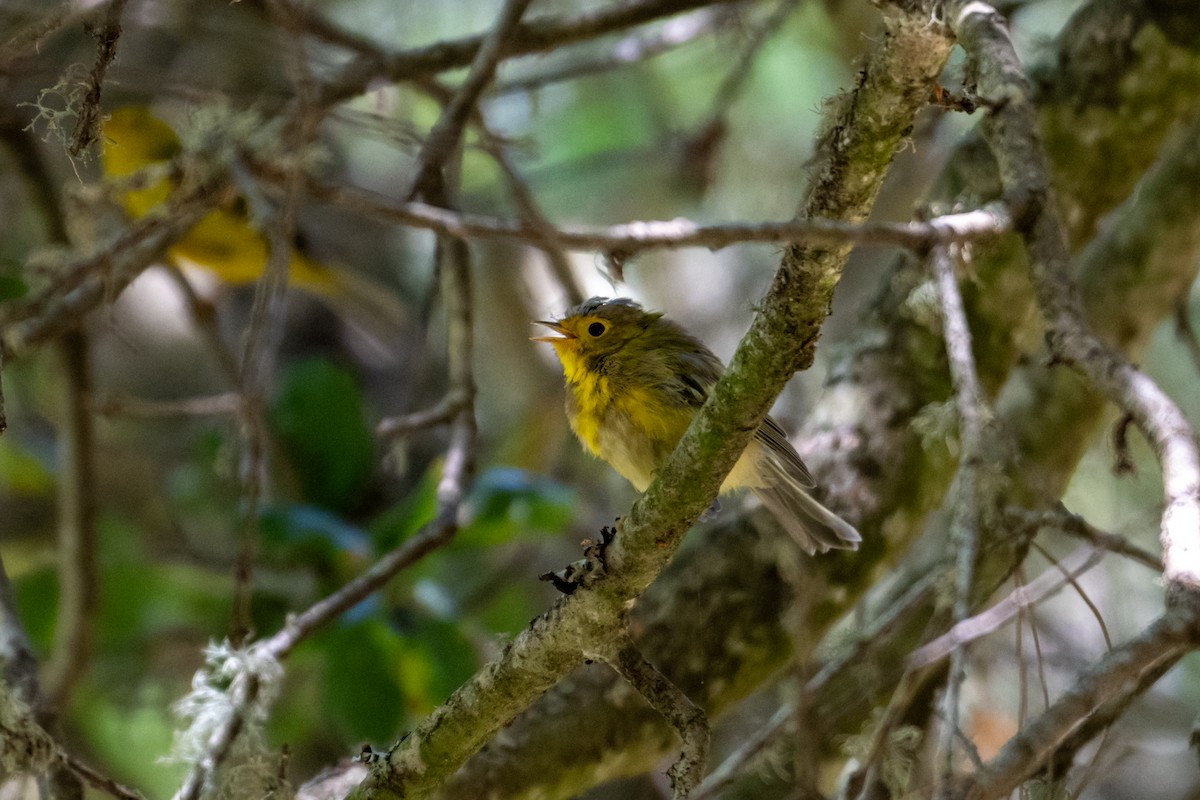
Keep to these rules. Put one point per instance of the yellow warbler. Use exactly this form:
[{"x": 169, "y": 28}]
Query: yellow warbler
[
  {"x": 224, "y": 242},
  {"x": 634, "y": 381}
]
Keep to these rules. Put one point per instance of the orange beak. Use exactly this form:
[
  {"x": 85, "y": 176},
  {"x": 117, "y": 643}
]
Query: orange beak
[{"x": 557, "y": 328}]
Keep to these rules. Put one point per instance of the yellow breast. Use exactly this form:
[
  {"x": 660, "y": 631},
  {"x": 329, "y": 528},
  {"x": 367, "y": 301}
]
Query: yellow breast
[{"x": 632, "y": 428}]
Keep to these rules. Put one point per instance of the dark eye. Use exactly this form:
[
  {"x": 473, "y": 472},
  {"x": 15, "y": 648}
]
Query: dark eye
[{"x": 597, "y": 329}]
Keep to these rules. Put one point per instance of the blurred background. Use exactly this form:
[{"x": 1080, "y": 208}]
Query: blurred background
[{"x": 711, "y": 115}]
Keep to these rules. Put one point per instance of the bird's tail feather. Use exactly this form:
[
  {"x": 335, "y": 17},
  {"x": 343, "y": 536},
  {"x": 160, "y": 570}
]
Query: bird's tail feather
[{"x": 814, "y": 527}]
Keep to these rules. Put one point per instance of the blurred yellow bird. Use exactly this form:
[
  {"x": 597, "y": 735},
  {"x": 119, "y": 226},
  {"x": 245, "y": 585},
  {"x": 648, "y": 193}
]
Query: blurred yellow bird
[
  {"x": 224, "y": 243},
  {"x": 634, "y": 382}
]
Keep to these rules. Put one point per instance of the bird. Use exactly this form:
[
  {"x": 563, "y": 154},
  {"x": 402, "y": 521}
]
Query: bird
[
  {"x": 225, "y": 243},
  {"x": 634, "y": 381}
]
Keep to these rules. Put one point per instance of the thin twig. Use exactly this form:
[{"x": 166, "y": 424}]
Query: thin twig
[
  {"x": 1031, "y": 610},
  {"x": 31, "y": 37},
  {"x": 129, "y": 406},
  {"x": 702, "y": 146},
  {"x": 1046, "y": 554},
  {"x": 458, "y": 467},
  {"x": 1074, "y": 525},
  {"x": 399, "y": 426},
  {"x": 204, "y": 314},
  {"x": 78, "y": 570},
  {"x": 727, "y": 772},
  {"x": 635, "y": 237},
  {"x": 87, "y": 124},
  {"x": 100, "y": 781},
  {"x": 632, "y": 49},
  {"x": 972, "y": 628},
  {"x": 971, "y": 493},
  {"x": 265, "y": 330},
  {"x": 538, "y": 35},
  {"x": 447, "y": 131},
  {"x": 1104, "y": 688},
  {"x": 522, "y": 196},
  {"x": 688, "y": 719}
]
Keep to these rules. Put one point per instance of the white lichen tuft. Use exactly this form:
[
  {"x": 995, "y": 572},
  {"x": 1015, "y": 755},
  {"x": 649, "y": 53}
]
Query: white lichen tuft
[
  {"x": 233, "y": 682},
  {"x": 57, "y": 107},
  {"x": 923, "y": 307},
  {"x": 937, "y": 425}
]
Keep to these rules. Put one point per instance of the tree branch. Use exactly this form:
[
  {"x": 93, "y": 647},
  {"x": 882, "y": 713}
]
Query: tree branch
[
  {"x": 1011, "y": 131},
  {"x": 443, "y": 139},
  {"x": 667, "y": 699},
  {"x": 631, "y": 238},
  {"x": 538, "y": 35}
]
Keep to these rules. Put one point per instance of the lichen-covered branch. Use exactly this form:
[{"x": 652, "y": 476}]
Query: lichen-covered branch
[
  {"x": 676, "y": 707},
  {"x": 1011, "y": 130}
]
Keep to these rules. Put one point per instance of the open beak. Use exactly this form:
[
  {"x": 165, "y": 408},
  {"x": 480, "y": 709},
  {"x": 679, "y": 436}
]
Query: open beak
[{"x": 557, "y": 328}]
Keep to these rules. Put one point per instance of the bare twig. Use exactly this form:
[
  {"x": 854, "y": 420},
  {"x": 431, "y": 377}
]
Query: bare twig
[
  {"x": 669, "y": 700},
  {"x": 130, "y": 406},
  {"x": 1105, "y": 687},
  {"x": 1075, "y": 525},
  {"x": 631, "y": 49},
  {"x": 522, "y": 195},
  {"x": 972, "y": 628},
  {"x": 972, "y": 492},
  {"x": 87, "y": 125},
  {"x": 539, "y": 35},
  {"x": 447, "y": 132},
  {"x": 635, "y": 237},
  {"x": 263, "y": 334},
  {"x": 445, "y": 411},
  {"x": 204, "y": 314},
  {"x": 35, "y": 34},
  {"x": 725, "y": 774},
  {"x": 1011, "y": 131},
  {"x": 1031, "y": 611},
  {"x": 1083, "y": 595},
  {"x": 702, "y": 145},
  {"x": 100, "y": 781},
  {"x": 78, "y": 569}
]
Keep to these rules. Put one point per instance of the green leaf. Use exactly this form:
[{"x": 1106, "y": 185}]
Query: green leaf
[
  {"x": 406, "y": 517},
  {"x": 37, "y": 601},
  {"x": 320, "y": 422},
  {"x": 12, "y": 287},
  {"x": 361, "y": 680},
  {"x": 299, "y": 534},
  {"x": 435, "y": 659},
  {"x": 508, "y": 503},
  {"x": 22, "y": 472}
]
